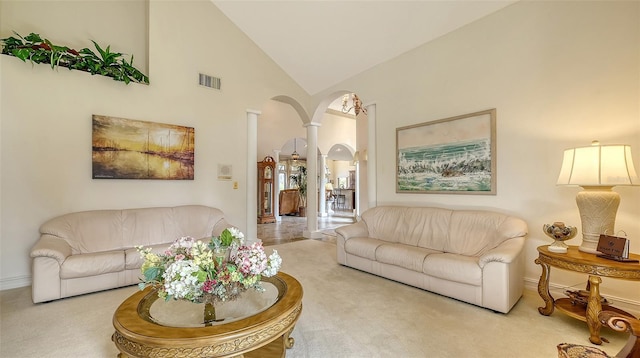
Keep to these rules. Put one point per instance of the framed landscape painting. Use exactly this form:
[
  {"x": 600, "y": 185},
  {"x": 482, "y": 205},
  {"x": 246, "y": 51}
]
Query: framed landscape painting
[
  {"x": 130, "y": 149},
  {"x": 454, "y": 155}
]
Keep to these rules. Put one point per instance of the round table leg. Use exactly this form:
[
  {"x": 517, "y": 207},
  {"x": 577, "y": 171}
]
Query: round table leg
[{"x": 543, "y": 289}]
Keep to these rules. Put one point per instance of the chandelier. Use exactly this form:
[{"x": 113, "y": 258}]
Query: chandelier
[
  {"x": 356, "y": 104},
  {"x": 295, "y": 156}
]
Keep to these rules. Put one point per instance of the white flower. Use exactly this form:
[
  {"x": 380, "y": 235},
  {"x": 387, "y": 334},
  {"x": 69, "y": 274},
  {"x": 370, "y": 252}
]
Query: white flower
[
  {"x": 181, "y": 280},
  {"x": 273, "y": 265},
  {"x": 237, "y": 234}
]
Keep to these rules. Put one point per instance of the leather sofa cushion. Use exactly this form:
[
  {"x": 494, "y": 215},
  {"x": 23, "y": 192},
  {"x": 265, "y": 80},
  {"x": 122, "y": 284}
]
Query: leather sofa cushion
[
  {"x": 409, "y": 257},
  {"x": 87, "y": 231},
  {"x": 453, "y": 267},
  {"x": 414, "y": 226},
  {"x": 464, "y": 232},
  {"x": 106, "y": 230},
  {"x": 363, "y": 247},
  {"x": 472, "y": 233},
  {"x": 93, "y": 264},
  {"x": 148, "y": 226}
]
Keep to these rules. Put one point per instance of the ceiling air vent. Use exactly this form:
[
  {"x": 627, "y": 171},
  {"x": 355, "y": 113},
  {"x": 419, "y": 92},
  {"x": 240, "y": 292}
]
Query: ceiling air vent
[{"x": 209, "y": 81}]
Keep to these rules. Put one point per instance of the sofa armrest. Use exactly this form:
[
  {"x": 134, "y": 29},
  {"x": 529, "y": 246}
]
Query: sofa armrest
[
  {"x": 505, "y": 252},
  {"x": 53, "y": 247},
  {"x": 358, "y": 229},
  {"x": 346, "y": 232}
]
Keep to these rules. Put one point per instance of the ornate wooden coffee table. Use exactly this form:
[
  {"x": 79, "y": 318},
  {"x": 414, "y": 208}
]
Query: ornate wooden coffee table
[
  {"x": 578, "y": 261},
  {"x": 263, "y": 334}
]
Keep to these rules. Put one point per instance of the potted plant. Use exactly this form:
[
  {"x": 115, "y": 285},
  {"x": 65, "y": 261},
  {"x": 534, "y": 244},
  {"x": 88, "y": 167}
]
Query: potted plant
[{"x": 300, "y": 180}]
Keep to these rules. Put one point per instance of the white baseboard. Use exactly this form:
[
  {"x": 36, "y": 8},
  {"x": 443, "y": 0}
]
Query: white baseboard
[
  {"x": 15, "y": 282},
  {"x": 312, "y": 234},
  {"x": 557, "y": 291}
]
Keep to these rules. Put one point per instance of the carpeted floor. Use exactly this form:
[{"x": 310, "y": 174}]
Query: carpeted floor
[{"x": 346, "y": 313}]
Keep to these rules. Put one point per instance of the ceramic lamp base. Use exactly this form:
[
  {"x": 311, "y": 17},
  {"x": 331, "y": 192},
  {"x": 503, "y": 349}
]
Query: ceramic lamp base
[{"x": 598, "y": 207}]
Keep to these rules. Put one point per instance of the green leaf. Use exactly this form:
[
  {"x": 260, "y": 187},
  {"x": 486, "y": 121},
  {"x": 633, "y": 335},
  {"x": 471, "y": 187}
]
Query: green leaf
[
  {"x": 226, "y": 237},
  {"x": 21, "y": 53},
  {"x": 98, "y": 48},
  {"x": 32, "y": 37},
  {"x": 152, "y": 273},
  {"x": 12, "y": 42}
]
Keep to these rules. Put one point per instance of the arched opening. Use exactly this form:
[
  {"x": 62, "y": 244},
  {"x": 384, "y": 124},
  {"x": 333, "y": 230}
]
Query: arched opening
[
  {"x": 341, "y": 183},
  {"x": 281, "y": 120},
  {"x": 347, "y": 107}
]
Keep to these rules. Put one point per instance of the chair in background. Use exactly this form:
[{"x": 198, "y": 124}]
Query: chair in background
[
  {"x": 289, "y": 201},
  {"x": 616, "y": 322}
]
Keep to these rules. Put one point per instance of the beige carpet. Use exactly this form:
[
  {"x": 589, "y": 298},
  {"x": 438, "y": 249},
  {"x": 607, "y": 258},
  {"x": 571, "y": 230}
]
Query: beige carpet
[{"x": 346, "y": 313}]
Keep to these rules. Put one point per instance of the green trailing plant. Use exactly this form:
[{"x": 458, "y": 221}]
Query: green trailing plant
[{"x": 106, "y": 63}]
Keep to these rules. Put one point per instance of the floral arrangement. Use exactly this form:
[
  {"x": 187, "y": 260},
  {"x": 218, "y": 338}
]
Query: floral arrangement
[{"x": 218, "y": 271}]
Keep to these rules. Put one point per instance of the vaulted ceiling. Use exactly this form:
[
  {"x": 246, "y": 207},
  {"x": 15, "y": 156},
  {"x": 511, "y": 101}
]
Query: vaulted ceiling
[{"x": 321, "y": 43}]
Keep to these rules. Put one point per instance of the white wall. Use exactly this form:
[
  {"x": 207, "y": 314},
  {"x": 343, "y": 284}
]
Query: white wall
[
  {"x": 45, "y": 118},
  {"x": 336, "y": 129},
  {"x": 277, "y": 124},
  {"x": 560, "y": 74}
]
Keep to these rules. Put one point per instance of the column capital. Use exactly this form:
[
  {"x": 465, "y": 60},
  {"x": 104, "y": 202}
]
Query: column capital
[{"x": 312, "y": 124}]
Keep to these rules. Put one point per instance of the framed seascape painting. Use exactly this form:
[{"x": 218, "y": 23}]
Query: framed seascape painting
[
  {"x": 130, "y": 149},
  {"x": 455, "y": 155}
]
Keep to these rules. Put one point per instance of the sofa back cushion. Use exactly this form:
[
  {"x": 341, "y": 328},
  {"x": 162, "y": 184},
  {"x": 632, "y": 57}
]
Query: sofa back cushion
[
  {"x": 472, "y": 233},
  {"x": 105, "y": 230},
  {"x": 464, "y": 232},
  {"x": 415, "y": 226},
  {"x": 87, "y": 231}
]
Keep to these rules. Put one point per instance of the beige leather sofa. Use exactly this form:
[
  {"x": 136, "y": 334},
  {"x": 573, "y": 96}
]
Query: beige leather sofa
[
  {"x": 91, "y": 251},
  {"x": 473, "y": 256}
]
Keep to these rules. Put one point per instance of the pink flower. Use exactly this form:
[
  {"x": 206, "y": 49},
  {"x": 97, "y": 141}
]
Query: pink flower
[{"x": 208, "y": 286}]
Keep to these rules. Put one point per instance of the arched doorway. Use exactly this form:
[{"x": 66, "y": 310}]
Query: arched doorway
[
  {"x": 311, "y": 126},
  {"x": 341, "y": 180}
]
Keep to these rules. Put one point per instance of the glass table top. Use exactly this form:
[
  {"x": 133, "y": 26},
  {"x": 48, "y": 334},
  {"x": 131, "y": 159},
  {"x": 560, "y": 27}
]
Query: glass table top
[{"x": 180, "y": 313}]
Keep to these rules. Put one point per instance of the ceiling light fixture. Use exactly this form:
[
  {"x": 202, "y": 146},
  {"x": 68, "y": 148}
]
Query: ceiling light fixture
[
  {"x": 295, "y": 156},
  {"x": 357, "y": 104}
]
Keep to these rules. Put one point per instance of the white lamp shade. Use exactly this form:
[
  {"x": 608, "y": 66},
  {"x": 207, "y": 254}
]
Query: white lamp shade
[{"x": 598, "y": 165}]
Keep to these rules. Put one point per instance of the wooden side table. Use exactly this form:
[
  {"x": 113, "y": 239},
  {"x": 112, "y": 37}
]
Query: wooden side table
[{"x": 596, "y": 267}]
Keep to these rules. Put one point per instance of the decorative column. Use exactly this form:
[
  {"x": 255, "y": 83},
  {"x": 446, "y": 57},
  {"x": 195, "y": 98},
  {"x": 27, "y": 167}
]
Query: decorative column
[
  {"x": 371, "y": 156},
  {"x": 323, "y": 183},
  {"x": 276, "y": 184},
  {"x": 251, "y": 233},
  {"x": 312, "y": 182},
  {"x": 357, "y": 197}
]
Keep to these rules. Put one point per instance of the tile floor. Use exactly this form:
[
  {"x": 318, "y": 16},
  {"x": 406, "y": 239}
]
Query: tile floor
[{"x": 290, "y": 228}]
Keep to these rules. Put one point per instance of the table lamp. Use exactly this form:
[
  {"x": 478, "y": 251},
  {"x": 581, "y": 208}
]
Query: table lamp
[
  {"x": 597, "y": 169},
  {"x": 328, "y": 190}
]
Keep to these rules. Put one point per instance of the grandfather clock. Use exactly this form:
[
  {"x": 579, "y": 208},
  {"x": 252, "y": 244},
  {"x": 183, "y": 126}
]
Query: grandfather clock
[{"x": 266, "y": 170}]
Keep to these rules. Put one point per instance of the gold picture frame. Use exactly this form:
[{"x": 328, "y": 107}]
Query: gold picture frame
[
  {"x": 131, "y": 149},
  {"x": 454, "y": 155}
]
